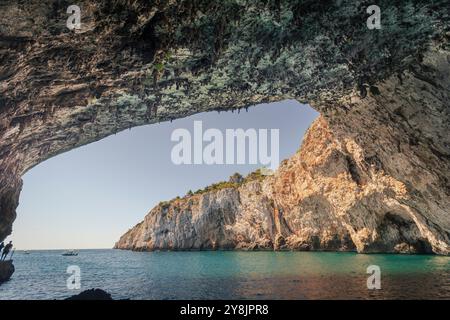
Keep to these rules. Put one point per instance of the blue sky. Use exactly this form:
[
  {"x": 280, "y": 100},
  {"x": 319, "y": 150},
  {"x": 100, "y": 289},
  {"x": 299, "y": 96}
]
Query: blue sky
[{"x": 90, "y": 196}]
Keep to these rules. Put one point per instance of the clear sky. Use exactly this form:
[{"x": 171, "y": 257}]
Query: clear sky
[{"x": 90, "y": 196}]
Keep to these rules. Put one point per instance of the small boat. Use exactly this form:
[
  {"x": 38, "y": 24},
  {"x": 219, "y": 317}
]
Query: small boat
[
  {"x": 26, "y": 252},
  {"x": 70, "y": 253}
]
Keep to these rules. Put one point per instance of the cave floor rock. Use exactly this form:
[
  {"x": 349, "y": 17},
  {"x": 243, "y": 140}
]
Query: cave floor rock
[
  {"x": 6, "y": 270},
  {"x": 382, "y": 175}
]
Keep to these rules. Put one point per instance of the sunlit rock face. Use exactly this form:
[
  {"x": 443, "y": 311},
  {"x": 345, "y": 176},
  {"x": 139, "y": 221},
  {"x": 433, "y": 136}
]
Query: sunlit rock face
[
  {"x": 283, "y": 211},
  {"x": 383, "y": 94}
]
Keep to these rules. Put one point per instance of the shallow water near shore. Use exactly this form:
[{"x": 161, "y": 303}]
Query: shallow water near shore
[{"x": 228, "y": 275}]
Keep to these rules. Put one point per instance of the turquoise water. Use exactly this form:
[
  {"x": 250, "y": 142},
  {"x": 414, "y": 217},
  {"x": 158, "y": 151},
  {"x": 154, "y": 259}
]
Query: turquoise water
[{"x": 229, "y": 275}]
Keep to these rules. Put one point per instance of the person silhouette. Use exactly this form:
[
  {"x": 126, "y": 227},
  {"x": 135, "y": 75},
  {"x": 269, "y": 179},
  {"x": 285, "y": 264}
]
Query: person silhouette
[{"x": 6, "y": 250}]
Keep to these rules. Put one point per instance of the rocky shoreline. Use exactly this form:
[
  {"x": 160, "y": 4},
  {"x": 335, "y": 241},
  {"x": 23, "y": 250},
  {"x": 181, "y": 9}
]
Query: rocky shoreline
[{"x": 315, "y": 201}]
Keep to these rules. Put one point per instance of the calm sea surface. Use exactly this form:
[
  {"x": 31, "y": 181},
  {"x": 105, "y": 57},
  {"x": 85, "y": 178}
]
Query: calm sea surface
[{"x": 228, "y": 275}]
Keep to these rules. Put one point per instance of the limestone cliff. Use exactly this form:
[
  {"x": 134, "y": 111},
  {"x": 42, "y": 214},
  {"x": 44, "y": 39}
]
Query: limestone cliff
[
  {"x": 317, "y": 200},
  {"x": 383, "y": 94}
]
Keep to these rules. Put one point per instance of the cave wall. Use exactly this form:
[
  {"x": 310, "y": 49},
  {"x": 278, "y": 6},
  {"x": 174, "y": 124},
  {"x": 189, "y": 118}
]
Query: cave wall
[
  {"x": 399, "y": 130},
  {"x": 140, "y": 62}
]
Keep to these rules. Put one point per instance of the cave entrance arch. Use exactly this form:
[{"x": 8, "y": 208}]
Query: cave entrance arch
[{"x": 135, "y": 62}]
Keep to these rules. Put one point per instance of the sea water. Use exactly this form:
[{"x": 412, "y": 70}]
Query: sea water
[{"x": 228, "y": 275}]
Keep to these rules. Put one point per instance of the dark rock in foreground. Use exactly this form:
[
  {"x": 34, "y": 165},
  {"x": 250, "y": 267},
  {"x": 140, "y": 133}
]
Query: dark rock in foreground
[
  {"x": 92, "y": 294},
  {"x": 6, "y": 270}
]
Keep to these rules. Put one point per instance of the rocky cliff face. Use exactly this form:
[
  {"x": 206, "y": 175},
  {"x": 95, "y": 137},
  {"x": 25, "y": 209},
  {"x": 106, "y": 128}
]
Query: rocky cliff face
[
  {"x": 317, "y": 200},
  {"x": 260, "y": 212},
  {"x": 383, "y": 95}
]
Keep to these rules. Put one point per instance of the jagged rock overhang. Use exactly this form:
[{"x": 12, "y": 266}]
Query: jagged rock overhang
[{"x": 138, "y": 62}]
